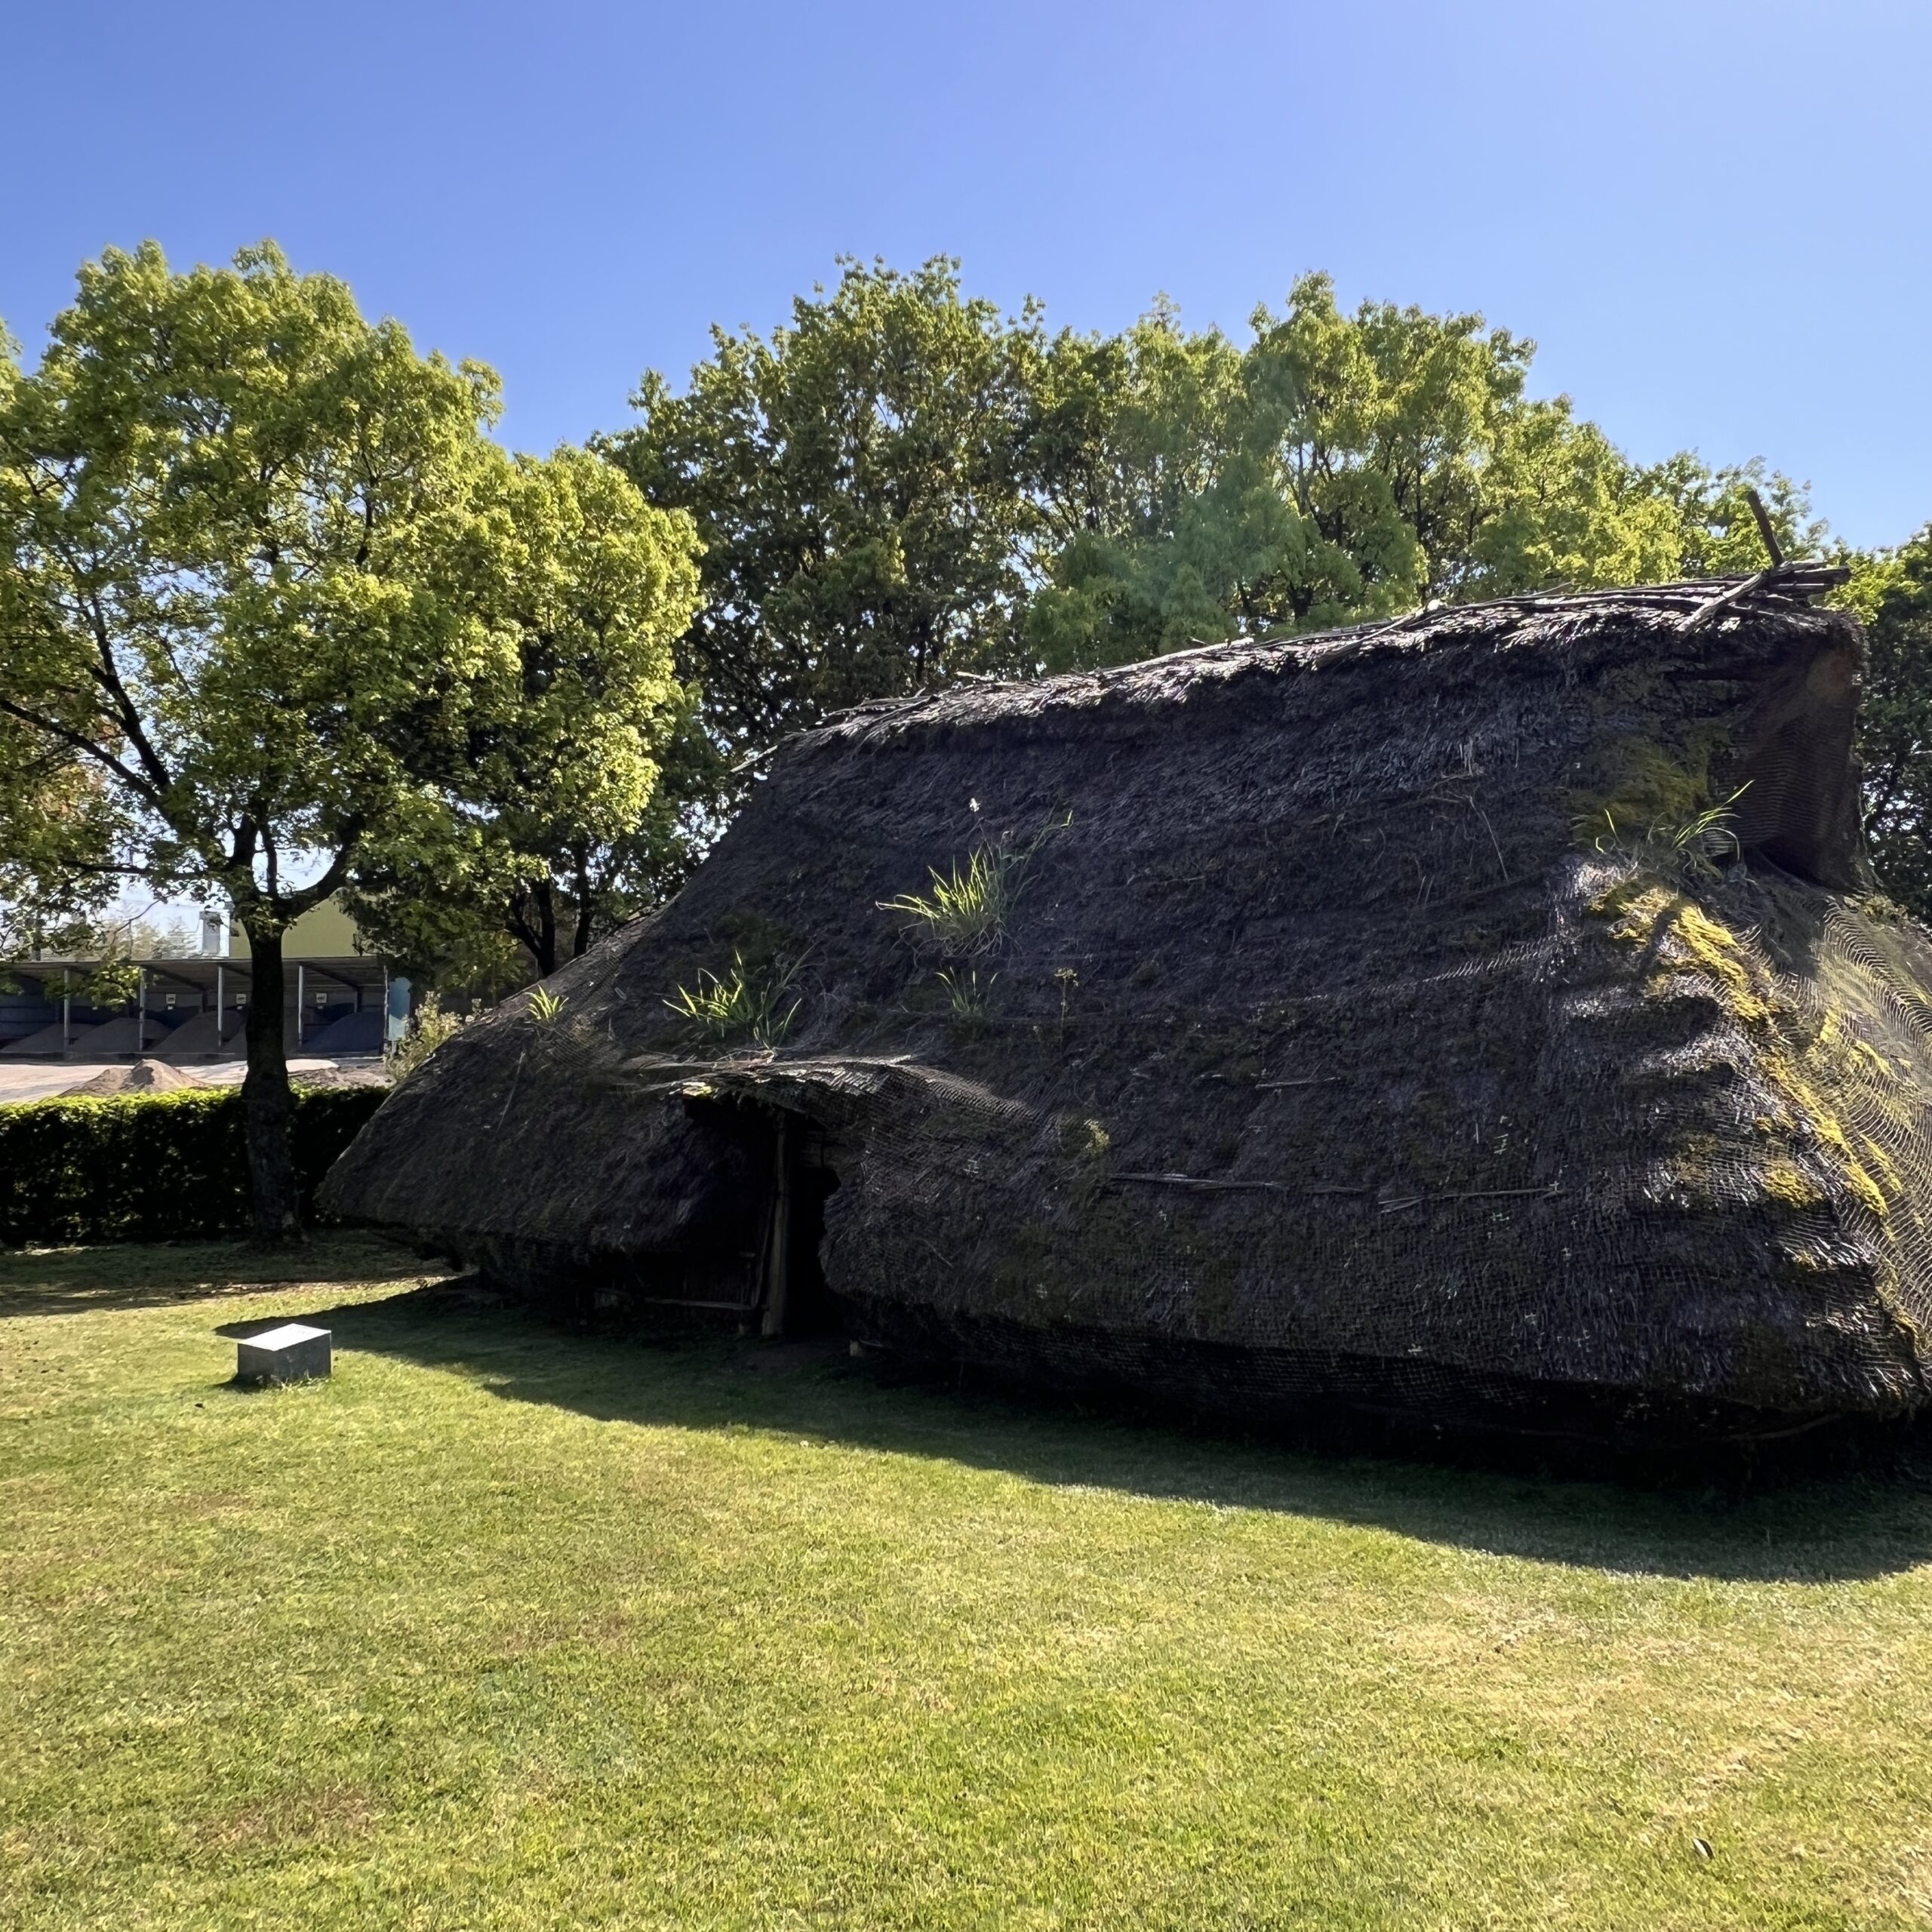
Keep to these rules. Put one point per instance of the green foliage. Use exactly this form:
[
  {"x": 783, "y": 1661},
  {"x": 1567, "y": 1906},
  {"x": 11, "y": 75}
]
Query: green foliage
[
  {"x": 560, "y": 826},
  {"x": 1345, "y": 467},
  {"x": 272, "y": 601},
  {"x": 903, "y": 484},
  {"x": 161, "y": 1166},
  {"x": 239, "y": 527},
  {"x": 967, "y": 994},
  {"x": 746, "y": 1004},
  {"x": 965, "y": 911},
  {"x": 1695, "y": 844},
  {"x": 58, "y": 824},
  {"x": 430, "y": 1027},
  {"x": 1711, "y": 510},
  {"x": 1701, "y": 840},
  {"x": 546, "y": 1006},
  {"x": 1893, "y": 594},
  {"x": 116, "y": 981},
  {"x": 856, "y": 481},
  {"x": 228, "y": 507}
]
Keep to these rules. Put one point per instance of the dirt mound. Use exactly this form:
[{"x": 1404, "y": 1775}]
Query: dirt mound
[
  {"x": 143, "y": 1076},
  {"x": 365, "y": 1073}
]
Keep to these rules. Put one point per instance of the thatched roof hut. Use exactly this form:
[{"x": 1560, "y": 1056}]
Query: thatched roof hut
[{"x": 1398, "y": 1019}]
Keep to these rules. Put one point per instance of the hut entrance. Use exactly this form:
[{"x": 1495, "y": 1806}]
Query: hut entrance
[
  {"x": 1800, "y": 805},
  {"x": 793, "y": 1298}
]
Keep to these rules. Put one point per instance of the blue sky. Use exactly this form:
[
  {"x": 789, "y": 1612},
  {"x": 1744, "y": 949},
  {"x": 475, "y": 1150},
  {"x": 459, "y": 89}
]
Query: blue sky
[{"x": 1713, "y": 217}]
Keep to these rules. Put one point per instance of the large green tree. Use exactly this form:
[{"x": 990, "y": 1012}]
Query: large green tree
[
  {"x": 560, "y": 825},
  {"x": 1340, "y": 467},
  {"x": 903, "y": 484},
  {"x": 234, "y": 517},
  {"x": 856, "y": 480}
]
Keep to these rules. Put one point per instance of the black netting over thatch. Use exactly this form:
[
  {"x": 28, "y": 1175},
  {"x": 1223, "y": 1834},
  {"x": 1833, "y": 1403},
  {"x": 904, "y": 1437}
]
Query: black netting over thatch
[{"x": 1375, "y": 1021}]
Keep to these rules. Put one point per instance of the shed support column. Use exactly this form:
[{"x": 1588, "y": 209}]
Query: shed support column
[
  {"x": 66, "y": 1009},
  {"x": 221, "y": 999},
  {"x": 301, "y": 995},
  {"x": 141, "y": 1023},
  {"x": 778, "y": 1249}
]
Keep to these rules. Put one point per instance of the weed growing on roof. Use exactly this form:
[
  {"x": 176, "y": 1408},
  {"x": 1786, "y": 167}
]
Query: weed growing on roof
[
  {"x": 965, "y": 911},
  {"x": 1696, "y": 844},
  {"x": 431, "y": 1028},
  {"x": 968, "y": 995},
  {"x": 745, "y": 1003},
  {"x": 1066, "y": 978},
  {"x": 545, "y": 1005}
]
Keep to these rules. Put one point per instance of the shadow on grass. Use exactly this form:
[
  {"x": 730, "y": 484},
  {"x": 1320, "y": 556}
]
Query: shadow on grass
[
  {"x": 72, "y": 1280},
  {"x": 1820, "y": 1530}
]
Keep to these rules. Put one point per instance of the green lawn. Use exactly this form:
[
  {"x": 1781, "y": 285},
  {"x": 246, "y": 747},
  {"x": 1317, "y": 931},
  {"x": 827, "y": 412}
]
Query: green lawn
[{"x": 506, "y": 1627}]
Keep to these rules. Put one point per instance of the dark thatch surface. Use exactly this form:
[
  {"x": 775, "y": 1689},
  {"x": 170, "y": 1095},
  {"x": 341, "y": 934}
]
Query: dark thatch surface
[{"x": 1364, "y": 1033}]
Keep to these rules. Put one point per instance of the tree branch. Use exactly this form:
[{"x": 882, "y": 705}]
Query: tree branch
[
  {"x": 108, "y": 869},
  {"x": 519, "y": 927},
  {"x": 88, "y": 598},
  {"x": 331, "y": 881},
  {"x": 81, "y": 742}
]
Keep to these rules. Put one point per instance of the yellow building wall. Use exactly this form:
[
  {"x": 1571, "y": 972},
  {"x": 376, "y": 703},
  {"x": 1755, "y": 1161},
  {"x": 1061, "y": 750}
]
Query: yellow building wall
[{"x": 324, "y": 932}]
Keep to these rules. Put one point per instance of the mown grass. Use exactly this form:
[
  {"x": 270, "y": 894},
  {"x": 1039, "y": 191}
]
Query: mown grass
[{"x": 507, "y": 1627}]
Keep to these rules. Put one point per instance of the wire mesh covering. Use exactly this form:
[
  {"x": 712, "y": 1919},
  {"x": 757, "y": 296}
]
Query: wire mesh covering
[{"x": 1484, "y": 1019}]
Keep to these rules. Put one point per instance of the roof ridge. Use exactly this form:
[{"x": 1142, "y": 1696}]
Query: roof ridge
[{"x": 1698, "y": 598}]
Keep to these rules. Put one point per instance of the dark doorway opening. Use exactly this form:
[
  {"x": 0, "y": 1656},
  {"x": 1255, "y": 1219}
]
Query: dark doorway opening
[
  {"x": 794, "y": 1300},
  {"x": 810, "y": 1308}
]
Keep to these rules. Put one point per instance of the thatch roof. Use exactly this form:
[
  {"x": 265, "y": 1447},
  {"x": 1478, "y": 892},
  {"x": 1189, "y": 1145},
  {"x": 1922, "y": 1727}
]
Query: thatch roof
[{"x": 1378, "y": 1023}]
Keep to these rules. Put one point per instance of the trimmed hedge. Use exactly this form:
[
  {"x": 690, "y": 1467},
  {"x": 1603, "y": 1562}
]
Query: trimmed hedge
[{"x": 152, "y": 1167}]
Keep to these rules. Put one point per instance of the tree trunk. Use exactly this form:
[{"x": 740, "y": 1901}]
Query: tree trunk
[
  {"x": 545, "y": 949},
  {"x": 267, "y": 1103},
  {"x": 586, "y": 904},
  {"x": 530, "y": 903}
]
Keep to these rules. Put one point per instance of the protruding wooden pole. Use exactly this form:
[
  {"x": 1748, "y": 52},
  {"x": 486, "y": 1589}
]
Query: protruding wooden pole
[{"x": 1765, "y": 529}]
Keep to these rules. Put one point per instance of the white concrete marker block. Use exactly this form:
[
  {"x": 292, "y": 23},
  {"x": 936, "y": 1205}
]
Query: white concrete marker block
[{"x": 293, "y": 1352}]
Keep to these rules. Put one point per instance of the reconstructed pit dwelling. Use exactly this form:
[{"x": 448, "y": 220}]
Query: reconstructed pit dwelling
[{"x": 1395, "y": 1022}]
